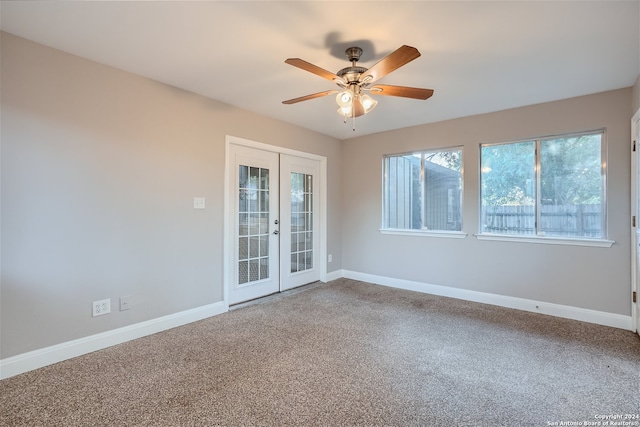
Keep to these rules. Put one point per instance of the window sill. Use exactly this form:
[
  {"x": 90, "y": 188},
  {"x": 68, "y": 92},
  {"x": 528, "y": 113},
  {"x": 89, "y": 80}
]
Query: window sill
[
  {"x": 599, "y": 243},
  {"x": 424, "y": 233}
]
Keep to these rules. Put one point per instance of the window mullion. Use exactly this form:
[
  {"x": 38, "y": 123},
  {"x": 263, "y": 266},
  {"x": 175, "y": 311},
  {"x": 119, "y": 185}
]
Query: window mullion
[
  {"x": 603, "y": 185},
  {"x": 538, "y": 187},
  {"x": 397, "y": 185},
  {"x": 423, "y": 191}
]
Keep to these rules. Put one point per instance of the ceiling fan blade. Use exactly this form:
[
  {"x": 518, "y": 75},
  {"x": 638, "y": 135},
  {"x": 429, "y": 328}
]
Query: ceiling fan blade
[
  {"x": 393, "y": 61},
  {"x": 404, "y": 91},
  {"x": 307, "y": 66},
  {"x": 307, "y": 97}
]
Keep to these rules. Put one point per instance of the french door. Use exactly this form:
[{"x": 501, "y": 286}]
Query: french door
[
  {"x": 300, "y": 221},
  {"x": 273, "y": 222}
]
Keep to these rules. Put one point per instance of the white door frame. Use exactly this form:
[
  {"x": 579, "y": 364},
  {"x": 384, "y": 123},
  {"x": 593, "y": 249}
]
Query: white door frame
[
  {"x": 228, "y": 206},
  {"x": 635, "y": 211}
]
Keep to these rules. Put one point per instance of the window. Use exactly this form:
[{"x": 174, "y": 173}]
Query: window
[
  {"x": 423, "y": 191},
  {"x": 544, "y": 187}
]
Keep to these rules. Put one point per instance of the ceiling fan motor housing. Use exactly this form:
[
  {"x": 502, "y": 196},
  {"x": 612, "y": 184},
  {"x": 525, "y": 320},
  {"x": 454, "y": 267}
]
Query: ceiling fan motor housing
[
  {"x": 352, "y": 74},
  {"x": 353, "y": 53}
]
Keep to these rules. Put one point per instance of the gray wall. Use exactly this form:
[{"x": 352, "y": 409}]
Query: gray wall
[
  {"x": 587, "y": 277},
  {"x": 99, "y": 170},
  {"x": 100, "y": 167},
  {"x": 635, "y": 106}
]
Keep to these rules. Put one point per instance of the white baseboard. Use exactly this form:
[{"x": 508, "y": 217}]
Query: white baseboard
[
  {"x": 568, "y": 312},
  {"x": 47, "y": 356},
  {"x": 334, "y": 275}
]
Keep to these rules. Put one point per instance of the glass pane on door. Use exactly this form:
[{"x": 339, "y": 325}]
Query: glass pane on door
[
  {"x": 301, "y": 222},
  {"x": 253, "y": 224}
]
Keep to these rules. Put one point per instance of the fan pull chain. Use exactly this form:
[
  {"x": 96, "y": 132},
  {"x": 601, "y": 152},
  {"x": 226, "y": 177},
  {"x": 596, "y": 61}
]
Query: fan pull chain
[{"x": 353, "y": 115}]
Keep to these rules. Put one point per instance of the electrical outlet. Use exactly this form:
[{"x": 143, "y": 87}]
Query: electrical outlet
[
  {"x": 330, "y": 258},
  {"x": 101, "y": 307},
  {"x": 125, "y": 303}
]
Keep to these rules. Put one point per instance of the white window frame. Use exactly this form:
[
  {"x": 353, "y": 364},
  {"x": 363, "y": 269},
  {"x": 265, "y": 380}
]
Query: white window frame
[
  {"x": 423, "y": 232},
  {"x": 544, "y": 239}
]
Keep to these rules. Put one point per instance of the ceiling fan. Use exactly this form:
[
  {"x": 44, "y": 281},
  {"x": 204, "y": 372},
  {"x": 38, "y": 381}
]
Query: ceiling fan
[{"x": 354, "y": 81}]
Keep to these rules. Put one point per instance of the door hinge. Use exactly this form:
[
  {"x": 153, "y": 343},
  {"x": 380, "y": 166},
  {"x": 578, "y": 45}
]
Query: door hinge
[
  {"x": 635, "y": 296},
  {"x": 633, "y": 221},
  {"x": 634, "y": 145}
]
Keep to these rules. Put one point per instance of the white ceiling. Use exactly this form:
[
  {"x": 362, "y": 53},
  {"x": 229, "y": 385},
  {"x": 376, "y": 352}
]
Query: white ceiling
[{"x": 478, "y": 56}]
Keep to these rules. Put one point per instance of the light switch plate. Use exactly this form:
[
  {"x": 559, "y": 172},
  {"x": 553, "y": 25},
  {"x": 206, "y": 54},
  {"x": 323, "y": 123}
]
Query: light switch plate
[
  {"x": 125, "y": 303},
  {"x": 198, "y": 203}
]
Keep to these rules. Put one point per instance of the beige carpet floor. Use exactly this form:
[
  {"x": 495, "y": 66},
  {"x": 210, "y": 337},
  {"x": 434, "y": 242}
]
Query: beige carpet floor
[{"x": 344, "y": 353}]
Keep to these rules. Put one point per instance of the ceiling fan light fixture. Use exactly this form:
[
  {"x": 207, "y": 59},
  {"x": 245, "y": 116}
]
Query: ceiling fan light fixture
[
  {"x": 368, "y": 103},
  {"x": 345, "y": 111},
  {"x": 344, "y": 98}
]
